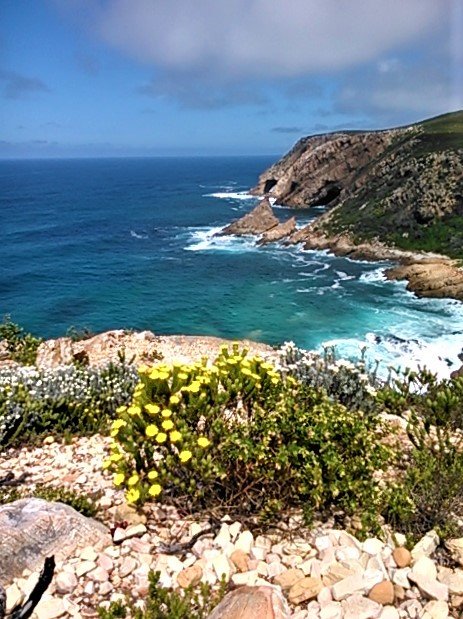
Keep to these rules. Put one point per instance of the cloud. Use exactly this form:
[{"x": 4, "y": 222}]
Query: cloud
[
  {"x": 17, "y": 86},
  {"x": 259, "y": 38},
  {"x": 287, "y": 129}
]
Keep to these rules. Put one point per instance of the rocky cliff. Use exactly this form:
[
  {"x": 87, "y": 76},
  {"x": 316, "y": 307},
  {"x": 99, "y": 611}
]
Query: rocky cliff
[{"x": 403, "y": 186}]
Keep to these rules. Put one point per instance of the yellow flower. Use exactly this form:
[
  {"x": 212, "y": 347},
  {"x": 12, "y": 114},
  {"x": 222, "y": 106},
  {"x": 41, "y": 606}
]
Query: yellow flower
[
  {"x": 246, "y": 372},
  {"x": 175, "y": 436},
  {"x": 143, "y": 369},
  {"x": 151, "y": 430},
  {"x": 203, "y": 441},
  {"x": 167, "y": 424},
  {"x": 134, "y": 410},
  {"x": 153, "y": 475},
  {"x": 166, "y": 413},
  {"x": 155, "y": 490},
  {"x": 182, "y": 376},
  {"x": 154, "y": 375},
  {"x": 132, "y": 495},
  {"x": 163, "y": 375},
  {"x": 174, "y": 399},
  {"x": 152, "y": 409},
  {"x": 121, "y": 409},
  {"x": 161, "y": 437},
  {"x": 118, "y": 423},
  {"x": 133, "y": 480},
  {"x": 106, "y": 463},
  {"x": 118, "y": 479},
  {"x": 195, "y": 386},
  {"x": 115, "y": 457},
  {"x": 185, "y": 455}
]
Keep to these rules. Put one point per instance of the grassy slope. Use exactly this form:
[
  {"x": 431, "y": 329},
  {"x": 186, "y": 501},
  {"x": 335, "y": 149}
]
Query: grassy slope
[{"x": 366, "y": 214}]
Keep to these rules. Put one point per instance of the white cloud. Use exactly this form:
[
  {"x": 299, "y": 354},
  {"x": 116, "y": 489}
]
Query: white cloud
[{"x": 260, "y": 38}]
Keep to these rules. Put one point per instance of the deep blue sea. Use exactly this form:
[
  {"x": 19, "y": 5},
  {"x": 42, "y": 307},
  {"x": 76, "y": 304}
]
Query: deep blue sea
[{"x": 129, "y": 243}]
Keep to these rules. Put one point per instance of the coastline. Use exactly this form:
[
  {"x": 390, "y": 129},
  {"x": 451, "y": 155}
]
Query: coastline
[{"x": 427, "y": 274}]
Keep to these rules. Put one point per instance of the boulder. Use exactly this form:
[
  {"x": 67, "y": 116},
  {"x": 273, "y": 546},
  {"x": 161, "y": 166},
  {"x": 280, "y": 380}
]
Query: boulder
[
  {"x": 252, "y": 603},
  {"x": 258, "y": 221},
  {"x": 279, "y": 232},
  {"x": 33, "y": 529}
]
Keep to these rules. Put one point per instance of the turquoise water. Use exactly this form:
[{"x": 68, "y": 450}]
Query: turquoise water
[{"x": 129, "y": 243}]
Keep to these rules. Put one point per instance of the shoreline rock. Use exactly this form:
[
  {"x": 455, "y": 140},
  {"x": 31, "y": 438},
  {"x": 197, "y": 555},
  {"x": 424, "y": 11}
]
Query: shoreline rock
[{"x": 258, "y": 221}]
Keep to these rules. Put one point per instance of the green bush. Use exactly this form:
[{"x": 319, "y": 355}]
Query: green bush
[
  {"x": 164, "y": 603},
  {"x": 430, "y": 495},
  {"x": 79, "y": 502},
  {"x": 237, "y": 434},
  {"x": 66, "y": 400},
  {"x": 21, "y": 346}
]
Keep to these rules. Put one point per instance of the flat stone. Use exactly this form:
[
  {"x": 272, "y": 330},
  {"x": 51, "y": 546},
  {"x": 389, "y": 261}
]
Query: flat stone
[
  {"x": 424, "y": 567},
  {"x": 455, "y": 546},
  {"x": 287, "y": 579},
  {"x": 372, "y": 546},
  {"x": 13, "y": 597},
  {"x": 222, "y": 567},
  {"x": 88, "y": 554},
  {"x": 389, "y": 612},
  {"x": 252, "y": 603},
  {"x": 190, "y": 577},
  {"x": 98, "y": 575},
  {"x": 432, "y": 588},
  {"x": 332, "y": 610},
  {"x": 223, "y": 538},
  {"x": 128, "y": 565},
  {"x": 402, "y": 556},
  {"x": 426, "y": 546},
  {"x": 84, "y": 567},
  {"x": 400, "y": 577},
  {"x": 383, "y": 593},
  {"x": 134, "y": 530},
  {"x": 65, "y": 582},
  {"x": 244, "y": 541},
  {"x": 358, "y": 607},
  {"x": 453, "y": 580},
  {"x": 304, "y": 589},
  {"x": 436, "y": 610},
  {"x": 50, "y": 608},
  {"x": 245, "y": 578},
  {"x": 344, "y": 588},
  {"x": 337, "y": 572}
]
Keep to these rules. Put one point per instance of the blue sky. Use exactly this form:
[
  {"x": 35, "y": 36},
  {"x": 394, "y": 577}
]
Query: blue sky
[{"x": 203, "y": 77}]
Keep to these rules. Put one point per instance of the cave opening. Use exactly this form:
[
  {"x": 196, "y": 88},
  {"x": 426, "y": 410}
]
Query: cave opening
[
  {"x": 329, "y": 194},
  {"x": 269, "y": 185}
]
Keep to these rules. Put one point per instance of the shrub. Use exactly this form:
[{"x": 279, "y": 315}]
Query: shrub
[
  {"x": 165, "y": 603},
  {"x": 237, "y": 433},
  {"x": 79, "y": 502},
  {"x": 21, "y": 346},
  {"x": 349, "y": 383},
  {"x": 431, "y": 493},
  {"x": 71, "y": 399}
]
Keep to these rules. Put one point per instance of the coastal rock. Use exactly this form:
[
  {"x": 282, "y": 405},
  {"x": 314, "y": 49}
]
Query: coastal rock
[
  {"x": 279, "y": 232},
  {"x": 252, "y": 603},
  {"x": 28, "y": 537},
  {"x": 258, "y": 221}
]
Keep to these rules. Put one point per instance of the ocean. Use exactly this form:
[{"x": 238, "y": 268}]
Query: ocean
[{"x": 129, "y": 243}]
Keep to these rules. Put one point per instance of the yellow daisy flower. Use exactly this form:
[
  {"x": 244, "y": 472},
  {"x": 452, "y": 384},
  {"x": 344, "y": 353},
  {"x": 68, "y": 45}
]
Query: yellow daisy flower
[
  {"x": 185, "y": 455},
  {"x": 118, "y": 479},
  {"x": 133, "y": 480},
  {"x": 134, "y": 410},
  {"x": 161, "y": 437},
  {"x": 166, "y": 413},
  {"x": 175, "y": 436},
  {"x": 132, "y": 495},
  {"x": 151, "y": 430},
  {"x": 152, "y": 409},
  {"x": 153, "y": 475},
  {"x": 167, "y": 424},
  {"x": 203, "y": 441},
  {"x": 155, "y": 490},
  {"x": 174, "y": 399},
  {"x": 106, "y": 463}
]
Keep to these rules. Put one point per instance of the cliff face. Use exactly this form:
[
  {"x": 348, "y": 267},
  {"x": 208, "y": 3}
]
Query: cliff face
[{"x": 403, "y": 186}]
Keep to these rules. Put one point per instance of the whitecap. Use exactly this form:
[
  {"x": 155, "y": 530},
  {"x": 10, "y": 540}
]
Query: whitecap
[
  {"x": 136, "y": 235},
  {"x": 206, "y": 239},
  {"x": 231, "y": 195},
  {"x": 378, "y": 275}
]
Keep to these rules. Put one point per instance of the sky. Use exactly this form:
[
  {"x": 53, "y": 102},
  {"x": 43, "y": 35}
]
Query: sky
[{"x": 98, "y": 78}]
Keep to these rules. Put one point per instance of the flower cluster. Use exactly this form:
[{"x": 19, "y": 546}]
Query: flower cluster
[
  {"x": 175, "y": 417},
  {"x": 349, "y": 383},
  {"x": 67, "y": 398}
]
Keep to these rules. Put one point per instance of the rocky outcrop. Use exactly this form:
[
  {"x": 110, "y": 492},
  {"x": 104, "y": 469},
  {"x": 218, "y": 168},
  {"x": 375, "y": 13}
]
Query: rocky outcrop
[
  {"x": 33, "y": 529},
  {"x": 279, "y": 232},
  {"x": 258, "y": 221},
  {"x": 321, "y": 169},
  {"x": 136, "y": 347},
  {"x": 439, "y": 278}
]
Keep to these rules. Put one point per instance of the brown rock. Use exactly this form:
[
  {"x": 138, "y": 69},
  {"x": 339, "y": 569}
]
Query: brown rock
[
  {"x": 252, "y": 603},
  {"x": 305, "y": 589},
  {"x": 279, "y": 232},
  {"x": 402, "y": 556},
  {"x": 190, "y": 576},
  {"x": 240, "y": 559},
  {"x": 383, "y": 593},
  {"x": 258, "y": 221},
  {"x": 287, "y": 579}
]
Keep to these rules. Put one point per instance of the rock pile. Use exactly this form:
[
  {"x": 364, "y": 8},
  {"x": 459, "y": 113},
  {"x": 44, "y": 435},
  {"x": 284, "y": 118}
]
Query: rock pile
[{"x": 323, "y": 573}]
